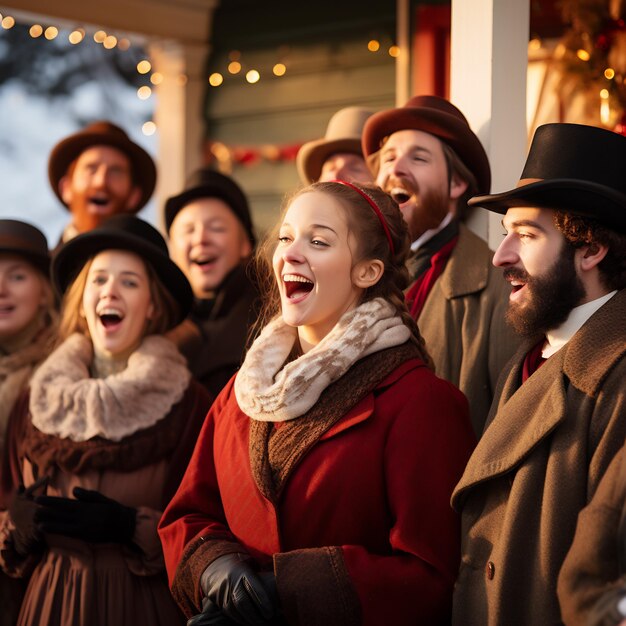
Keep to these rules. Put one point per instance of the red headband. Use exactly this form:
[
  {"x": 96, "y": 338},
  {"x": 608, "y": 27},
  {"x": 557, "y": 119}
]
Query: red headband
[{"x": 374, "y": 206}]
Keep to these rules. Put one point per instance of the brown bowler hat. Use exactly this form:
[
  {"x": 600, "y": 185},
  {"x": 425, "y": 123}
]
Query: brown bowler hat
[
  {"x": 343, "y": 134},
  {"x": 436, "y": 116},
  {"x": 574, "y": 168},
  {"x": 103, "y": 133},
  {"x": 25, "y": 240}
]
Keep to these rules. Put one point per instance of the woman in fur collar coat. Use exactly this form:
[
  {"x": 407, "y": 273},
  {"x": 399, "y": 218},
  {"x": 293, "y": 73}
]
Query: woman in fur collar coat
[
  {"x": 102, "y": 439},
  {"x": 318, "y": 492},
  {"x": 27, "y": 326}
]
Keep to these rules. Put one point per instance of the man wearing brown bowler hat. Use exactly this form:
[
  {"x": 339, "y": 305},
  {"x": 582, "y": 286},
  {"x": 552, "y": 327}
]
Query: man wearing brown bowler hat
[
  {"x": 99, "y": 172},
  {"x": 338, "y": 155},
  {"x": 559, "y": 413},
  {"x": 427, "y": 158}
]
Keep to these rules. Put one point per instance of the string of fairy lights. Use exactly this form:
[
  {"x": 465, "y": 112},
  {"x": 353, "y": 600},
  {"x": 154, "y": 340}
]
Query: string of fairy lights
[
  {"x": 109, "y": 42},
  {"x": 235, "y": 66},
  {"x": 253, "y": 75}
]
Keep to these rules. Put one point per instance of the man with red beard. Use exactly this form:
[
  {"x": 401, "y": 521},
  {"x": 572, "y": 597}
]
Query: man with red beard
[
  {"x": 99, "y": 172},
  {"x": 427, "y": 158},
  {"x": 559, "y": 415}
]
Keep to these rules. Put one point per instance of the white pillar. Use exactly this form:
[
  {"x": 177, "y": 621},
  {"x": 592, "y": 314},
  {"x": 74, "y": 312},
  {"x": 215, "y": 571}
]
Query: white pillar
[
  {"x": 178, "y": 115},
  {"x": 489, "y": 59}
]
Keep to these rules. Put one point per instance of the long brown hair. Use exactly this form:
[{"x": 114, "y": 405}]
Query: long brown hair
[
  {"x": 166, "y": 309},
  {"x": 372, "y": 243}
]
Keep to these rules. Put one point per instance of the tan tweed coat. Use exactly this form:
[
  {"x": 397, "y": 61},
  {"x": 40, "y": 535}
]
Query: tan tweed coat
[{"x": 463, "y": 324}]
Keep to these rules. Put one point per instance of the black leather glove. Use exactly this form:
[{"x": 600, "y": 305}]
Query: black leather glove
[
  {"x": 231, "y": 583},
  {"x": 27, "y": 537},
  {"x": 211, "y": 615},
  {"x": 91, "y": 517}
]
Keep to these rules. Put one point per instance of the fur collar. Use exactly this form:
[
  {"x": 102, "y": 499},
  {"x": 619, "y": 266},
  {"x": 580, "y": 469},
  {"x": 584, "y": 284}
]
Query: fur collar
[
  {"x": 267, "y": 390},
  {"x": 66, "y": 402}
]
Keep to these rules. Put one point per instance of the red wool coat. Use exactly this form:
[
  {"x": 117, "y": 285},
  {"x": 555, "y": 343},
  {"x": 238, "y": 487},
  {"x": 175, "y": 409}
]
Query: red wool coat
[{"x": 356, "y": 523}]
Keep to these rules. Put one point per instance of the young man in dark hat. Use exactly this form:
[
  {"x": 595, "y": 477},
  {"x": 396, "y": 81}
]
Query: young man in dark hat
[
  {"x": 211, "y": 239},
  {"x": 559, "y": 414},
  {"x": 99, "y": 172},
  {"x": 338, "y": 155},
  {"x": 427, "y": 158}
]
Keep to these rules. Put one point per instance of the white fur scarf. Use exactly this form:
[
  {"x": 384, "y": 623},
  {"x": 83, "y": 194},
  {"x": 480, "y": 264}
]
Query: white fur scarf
[
  {"x": 66, "y": 402},
  {"x": 268, "y": 392}
]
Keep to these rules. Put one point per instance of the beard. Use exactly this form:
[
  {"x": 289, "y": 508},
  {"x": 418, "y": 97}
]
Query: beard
[
  {"x": 429, "y": 210},
  {"x": 553, "y": 295}
]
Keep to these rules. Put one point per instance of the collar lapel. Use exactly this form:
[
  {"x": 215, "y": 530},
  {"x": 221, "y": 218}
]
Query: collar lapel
[{"x": 523, "y": 419}]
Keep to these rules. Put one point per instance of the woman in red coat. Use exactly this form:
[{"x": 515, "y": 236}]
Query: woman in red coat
[{"x": 318, "y": 492}]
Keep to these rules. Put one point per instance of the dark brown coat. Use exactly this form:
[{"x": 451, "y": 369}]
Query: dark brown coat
[
  {"x": 596, "y": 561},
  {"x": 539, "y": 462}
]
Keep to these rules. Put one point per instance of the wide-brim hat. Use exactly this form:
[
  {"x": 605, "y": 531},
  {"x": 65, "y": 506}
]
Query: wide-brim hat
[
  {"x": 343, "y": 134},
  {"x": 573, "y": 168},
  {"x": 123, "y": 232},
  {"x": 103, "y": 133},
  {"x": 207, "y": 183},
  {"x": 23, "y": 239},
  {"x": 436, "y": 116}
]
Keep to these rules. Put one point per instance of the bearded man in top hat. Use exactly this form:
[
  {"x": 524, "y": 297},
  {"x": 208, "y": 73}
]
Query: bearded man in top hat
[
  {"x": 338, "y": 155},
  {"x": 211, "y": 239},
  {"x": 427, "y": 158},
  {"x": 99, "y": 172},
  {"x": 559, "y": 415}
]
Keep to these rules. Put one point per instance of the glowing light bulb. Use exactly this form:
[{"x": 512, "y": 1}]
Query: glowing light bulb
[
  {"x": 143, "y": 93},
  {"x": 394, "y": 52},
  {"x": 156, "y": 78},
  {"x": 143, "y": 67},
  {"x": 51, "y": 33},
  {"x": 99, "y": 36},
  {"x": 279, "y": 69},
  {"x": 216, "y": 79},
  {"x": 35, "y": 31},
  {"x": 8, "y": 22},
  {"x": 110, "y": 42},
  {"x": 373, "y": 45},
  {"x": 253, "y": 76},
  {"x": 609, "y": 73},
  {"x": 234, "y": 67},
  {"x": 149, "y": 128},
  {"x": 583, "y": 55}
]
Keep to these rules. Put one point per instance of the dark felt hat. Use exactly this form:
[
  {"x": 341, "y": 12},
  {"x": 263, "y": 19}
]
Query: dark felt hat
[
  {"x": 122, "y": 232},
  {"x": 343, "y": 134},
  {"x": 103, "y": 133},
  {"x": 25, "y": 240},
  {"x": 207, "y": 183},
  {"x": 573, "y": 168},
  {"x": 438, "y": 117}
]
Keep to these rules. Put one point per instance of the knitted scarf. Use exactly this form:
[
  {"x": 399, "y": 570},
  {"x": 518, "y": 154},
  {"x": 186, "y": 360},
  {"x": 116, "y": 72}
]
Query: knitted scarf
[
  {"x": 268, "y": 390},
  {"x": 66, "y": 402}
]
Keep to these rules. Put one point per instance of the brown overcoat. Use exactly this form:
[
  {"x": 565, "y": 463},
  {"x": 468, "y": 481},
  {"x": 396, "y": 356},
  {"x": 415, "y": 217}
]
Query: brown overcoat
[
  {"x": 595, "y": 563},
  {"x": 539, "y": 462},
  {"x": 463, "y": 324}
]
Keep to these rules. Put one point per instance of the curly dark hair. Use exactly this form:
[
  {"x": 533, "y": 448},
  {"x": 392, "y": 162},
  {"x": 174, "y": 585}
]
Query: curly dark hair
[{"x": 582, "y": 231}]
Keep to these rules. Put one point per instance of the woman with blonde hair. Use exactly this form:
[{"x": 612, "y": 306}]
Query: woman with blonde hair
[
  {"x": 103, "y": 437},
  {"x": 318, "y": 492}
]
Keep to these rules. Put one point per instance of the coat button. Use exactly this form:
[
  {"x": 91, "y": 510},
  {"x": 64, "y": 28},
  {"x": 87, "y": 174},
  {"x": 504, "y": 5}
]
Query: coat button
[{"x": 491, "y": 570}]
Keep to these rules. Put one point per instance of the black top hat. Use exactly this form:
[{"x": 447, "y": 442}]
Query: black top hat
[
  {"x": 25, "y": 240},
  {"x": 573, "y": 168},
  {"x": 123, "y": 232},
  {"x": 436, "y": 116},
  {"x": 207, "y": 183},
  {"x": 103, "y": 133}
]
